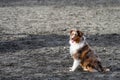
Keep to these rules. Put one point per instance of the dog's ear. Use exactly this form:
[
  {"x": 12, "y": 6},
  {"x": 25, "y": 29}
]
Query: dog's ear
[
  {"x": 71, "y": 31},
  {"x": 80, "y": 33}
]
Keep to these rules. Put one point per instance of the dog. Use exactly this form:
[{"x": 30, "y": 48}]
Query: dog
[{"x": 83, "y": 55}]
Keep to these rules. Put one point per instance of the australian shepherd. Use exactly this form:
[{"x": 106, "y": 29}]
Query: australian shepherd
[{"x": 82, "y": 53}]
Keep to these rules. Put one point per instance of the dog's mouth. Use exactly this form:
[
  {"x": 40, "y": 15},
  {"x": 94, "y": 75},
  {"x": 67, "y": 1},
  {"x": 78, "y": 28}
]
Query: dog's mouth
[
  {"x": 73, "y": 40},
  {"x": 77, "y": 39}
]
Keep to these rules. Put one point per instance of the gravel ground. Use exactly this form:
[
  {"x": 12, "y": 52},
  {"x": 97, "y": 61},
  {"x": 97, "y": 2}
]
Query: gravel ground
[{"x": 34, "y": 37}]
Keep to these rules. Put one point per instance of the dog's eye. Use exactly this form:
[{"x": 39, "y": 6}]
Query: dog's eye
[{"x": 76, "y": 34}]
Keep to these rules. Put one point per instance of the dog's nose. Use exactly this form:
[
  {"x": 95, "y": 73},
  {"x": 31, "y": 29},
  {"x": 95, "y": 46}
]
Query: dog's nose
[{"x": 72, "y": 38}]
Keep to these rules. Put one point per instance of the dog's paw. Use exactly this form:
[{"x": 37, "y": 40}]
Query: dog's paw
[
  {"x": 107, "y": 69},
  {"x": 70, "y": 69}
]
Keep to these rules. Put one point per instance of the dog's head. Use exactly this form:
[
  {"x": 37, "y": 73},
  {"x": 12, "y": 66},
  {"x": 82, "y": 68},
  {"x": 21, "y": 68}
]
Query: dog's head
[{"x": 76, "y": 35}]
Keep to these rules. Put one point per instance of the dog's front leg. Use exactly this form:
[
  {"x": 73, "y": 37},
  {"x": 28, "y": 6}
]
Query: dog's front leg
[{"x": 76, "y": 63}]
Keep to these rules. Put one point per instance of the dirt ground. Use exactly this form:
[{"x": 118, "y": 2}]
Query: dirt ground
[{"x": 34, "y": 37}]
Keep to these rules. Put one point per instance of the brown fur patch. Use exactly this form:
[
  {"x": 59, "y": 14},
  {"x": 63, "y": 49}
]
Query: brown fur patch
[
  {"x": 77, "y": 39},
  {"x": 88, "y": 59},
  {"x": 76, "y": 56}
]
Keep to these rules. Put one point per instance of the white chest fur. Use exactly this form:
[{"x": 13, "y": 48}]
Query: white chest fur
[{"x": 75, "y": 46}]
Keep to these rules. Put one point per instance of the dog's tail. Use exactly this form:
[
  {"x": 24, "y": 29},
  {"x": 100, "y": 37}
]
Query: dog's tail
[{"x": 100, "y": 68}]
